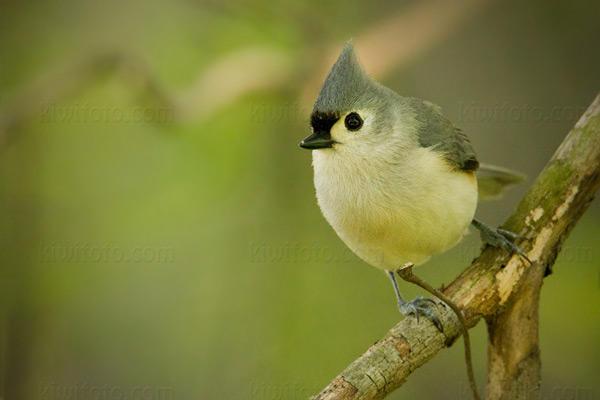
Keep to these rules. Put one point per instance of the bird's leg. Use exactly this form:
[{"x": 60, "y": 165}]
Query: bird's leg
[
  {"x": 406, "y": 273},
  {"x": 499, "y": 238},
  {"x": 415, "y": 306}
]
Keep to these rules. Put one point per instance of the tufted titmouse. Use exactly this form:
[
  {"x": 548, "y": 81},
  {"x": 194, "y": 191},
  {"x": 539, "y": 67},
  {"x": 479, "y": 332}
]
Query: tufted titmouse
[{"x": 394, "y": 178}]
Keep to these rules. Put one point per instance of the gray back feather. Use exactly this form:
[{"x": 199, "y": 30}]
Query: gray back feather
[{"x": 436, "y": 131}]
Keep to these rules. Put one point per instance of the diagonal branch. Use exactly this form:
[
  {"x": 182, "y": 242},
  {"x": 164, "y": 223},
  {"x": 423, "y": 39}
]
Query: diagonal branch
[{"x": 545, "y": 217}]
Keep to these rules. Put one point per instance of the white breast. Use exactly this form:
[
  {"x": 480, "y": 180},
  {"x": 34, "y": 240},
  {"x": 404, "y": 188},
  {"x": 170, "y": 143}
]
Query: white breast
[{"x": 393, "y": 213}]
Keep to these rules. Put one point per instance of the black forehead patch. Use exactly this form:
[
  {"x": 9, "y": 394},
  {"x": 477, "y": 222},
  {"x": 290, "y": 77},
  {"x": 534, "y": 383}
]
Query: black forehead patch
[{"x": 323, "y": 121}]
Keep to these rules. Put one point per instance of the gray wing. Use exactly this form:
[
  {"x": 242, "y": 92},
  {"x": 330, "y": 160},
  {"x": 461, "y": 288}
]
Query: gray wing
[
  {"x": 436, "y": 131},
  {"x": 493, "y": 180}
]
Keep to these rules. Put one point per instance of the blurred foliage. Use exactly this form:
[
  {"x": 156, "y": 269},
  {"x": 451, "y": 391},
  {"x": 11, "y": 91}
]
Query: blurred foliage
[{"x": 260, "y": 299}]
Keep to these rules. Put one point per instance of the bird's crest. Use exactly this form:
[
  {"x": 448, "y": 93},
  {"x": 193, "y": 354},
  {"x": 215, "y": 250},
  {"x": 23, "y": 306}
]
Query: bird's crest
[{"x": 346, "y": 85}]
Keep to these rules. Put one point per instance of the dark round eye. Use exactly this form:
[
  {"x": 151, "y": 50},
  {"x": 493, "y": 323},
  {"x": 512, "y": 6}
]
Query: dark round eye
[{"x": 353, "y": 121}]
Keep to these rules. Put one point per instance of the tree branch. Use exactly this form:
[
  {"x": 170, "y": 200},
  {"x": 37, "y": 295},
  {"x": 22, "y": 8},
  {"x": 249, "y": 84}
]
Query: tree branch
[
  {"x": 493, "y": 282},
  {"x": 514, "y": 363}
]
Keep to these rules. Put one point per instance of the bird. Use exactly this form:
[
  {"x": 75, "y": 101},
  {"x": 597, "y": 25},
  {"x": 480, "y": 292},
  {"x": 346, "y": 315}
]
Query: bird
[{"x": 396, "y": 180}]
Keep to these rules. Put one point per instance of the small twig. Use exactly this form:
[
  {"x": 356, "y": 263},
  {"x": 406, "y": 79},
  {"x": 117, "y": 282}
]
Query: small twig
[{"x": 405, "y": 272}]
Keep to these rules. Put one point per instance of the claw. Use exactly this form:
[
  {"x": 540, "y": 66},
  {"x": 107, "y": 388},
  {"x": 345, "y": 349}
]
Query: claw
[
  {"x": 500, "y": 238},
  {"x": 438, "y": 324},
  {"x": 516, "y": 249},
  {"x": 420, "y": 305},
  {"x": 510, "y": 235},
  {"x": 423, "y": 299}
]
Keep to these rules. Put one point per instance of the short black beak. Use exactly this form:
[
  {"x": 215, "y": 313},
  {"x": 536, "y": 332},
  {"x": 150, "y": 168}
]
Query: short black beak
[{"x": 316, "y": 141}]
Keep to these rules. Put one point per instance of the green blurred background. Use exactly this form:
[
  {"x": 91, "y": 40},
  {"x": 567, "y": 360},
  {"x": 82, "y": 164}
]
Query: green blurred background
[{"x": 160, "y": 236}]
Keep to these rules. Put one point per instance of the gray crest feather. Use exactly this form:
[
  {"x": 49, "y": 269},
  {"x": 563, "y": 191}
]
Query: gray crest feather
[{"x": 346, "y": 85}]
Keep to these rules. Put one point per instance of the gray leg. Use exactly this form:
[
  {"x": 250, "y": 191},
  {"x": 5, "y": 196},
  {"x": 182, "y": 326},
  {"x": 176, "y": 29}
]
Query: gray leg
[
  {"x": 499, "y": 238},
  {"x": 415, "y": 306}
]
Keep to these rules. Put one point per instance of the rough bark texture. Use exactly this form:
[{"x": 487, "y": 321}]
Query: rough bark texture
[
  {"x": 496, "y": 286},
  {"x": 514, "y": 363}
]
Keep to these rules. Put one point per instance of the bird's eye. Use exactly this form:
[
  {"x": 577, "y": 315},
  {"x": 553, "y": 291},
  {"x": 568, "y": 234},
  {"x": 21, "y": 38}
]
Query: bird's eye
[{"x": 353, "y": 121}]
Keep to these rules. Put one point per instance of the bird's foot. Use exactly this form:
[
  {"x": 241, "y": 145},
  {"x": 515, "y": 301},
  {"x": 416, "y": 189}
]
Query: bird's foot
[
  {"x": 421, "y": 305},
  {"x": 500, "y": 238}
]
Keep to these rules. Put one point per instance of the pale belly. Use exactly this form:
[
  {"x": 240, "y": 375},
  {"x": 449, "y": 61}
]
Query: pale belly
[{"x": 389, "y": 224}]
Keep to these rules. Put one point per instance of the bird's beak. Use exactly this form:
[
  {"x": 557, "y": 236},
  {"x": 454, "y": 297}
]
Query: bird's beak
[{"x": 316, "y": 141}]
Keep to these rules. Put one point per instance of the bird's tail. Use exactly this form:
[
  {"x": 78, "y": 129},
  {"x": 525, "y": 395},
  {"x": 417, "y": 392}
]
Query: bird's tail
[{"x": 493, "y": 180}]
